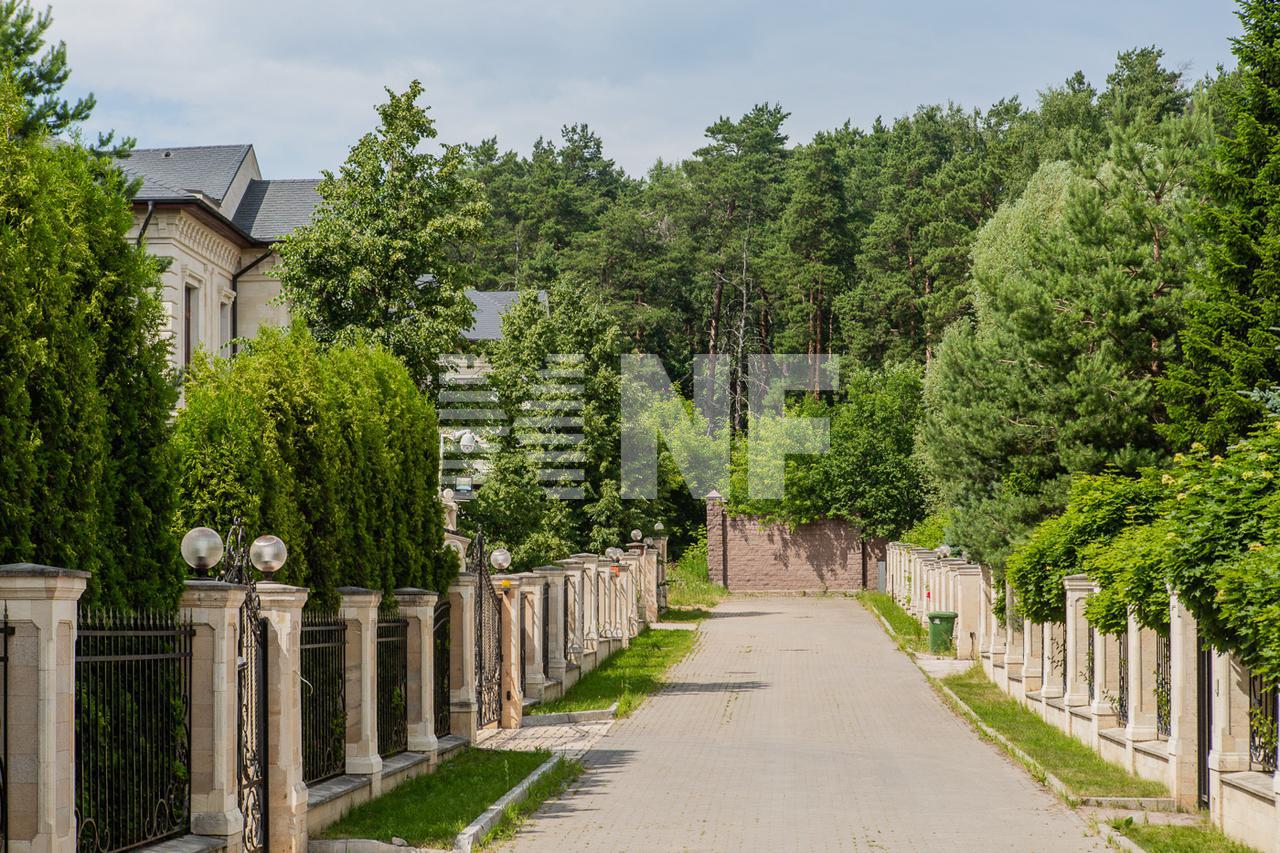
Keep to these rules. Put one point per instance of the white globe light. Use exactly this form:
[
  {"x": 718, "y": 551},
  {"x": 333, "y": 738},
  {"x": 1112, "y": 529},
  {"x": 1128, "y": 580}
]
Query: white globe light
[
  {"x": 268, "y": 554},
  {"x": 613, "y": 553},
  {"x": 447, "y": 494},
  {"x": 500, "y": 559},
  {"x": 636, "y": 536},
  {"x": 467, "y": 441},
  {"x": 202, "y": 548},
  {"x": 657, "y": 527}
]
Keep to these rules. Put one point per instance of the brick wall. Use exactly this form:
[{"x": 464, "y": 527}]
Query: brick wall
[{"x": 745, "y": 554}]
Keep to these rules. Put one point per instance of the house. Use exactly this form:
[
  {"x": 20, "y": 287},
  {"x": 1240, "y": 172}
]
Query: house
[{"x": 208, "y": 208}]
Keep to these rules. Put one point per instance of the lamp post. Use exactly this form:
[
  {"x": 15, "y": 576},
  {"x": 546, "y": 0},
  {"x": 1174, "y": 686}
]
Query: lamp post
[{"x": 203, "y": 549}]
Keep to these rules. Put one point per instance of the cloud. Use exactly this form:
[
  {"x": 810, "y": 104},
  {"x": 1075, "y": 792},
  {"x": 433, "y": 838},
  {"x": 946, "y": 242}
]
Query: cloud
[{"x": 299, "y": 79}]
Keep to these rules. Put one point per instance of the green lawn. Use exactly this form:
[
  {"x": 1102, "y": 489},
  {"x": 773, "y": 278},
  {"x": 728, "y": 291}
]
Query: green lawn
[
  {"x": 1079, "y": 767},
  {"x": 684, "y": 614},
  {"x": 432, "y": 809},
  {"x": 627, "y": 677},
  {"x": 550, "y": 785},
  {"x": 1156, "y": 838},
  {"x": 909, "y": 633}
]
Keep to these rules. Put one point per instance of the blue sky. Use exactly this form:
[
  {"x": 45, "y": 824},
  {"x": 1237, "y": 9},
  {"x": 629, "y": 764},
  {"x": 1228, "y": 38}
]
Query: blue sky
[{"x": 299, "y": 79}]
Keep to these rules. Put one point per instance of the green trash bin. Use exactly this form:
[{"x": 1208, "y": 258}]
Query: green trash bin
[{"x": 942, "y": 624}]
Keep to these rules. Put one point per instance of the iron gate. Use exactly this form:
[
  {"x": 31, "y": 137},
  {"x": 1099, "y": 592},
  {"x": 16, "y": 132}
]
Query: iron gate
[
  {"x": 324, "y": 703},
  {"x": 488, "y": 638},
  {"x": 252, "y": 666},
  {"x": 1164, "y": 687},
  {"x": 392, "y": 680},
  {"x": 1122, "y": 679},
  {"x": 520, "y": 645},
  {"x": 440, "y": 667},
  {"x": 1204, "y": 722}
]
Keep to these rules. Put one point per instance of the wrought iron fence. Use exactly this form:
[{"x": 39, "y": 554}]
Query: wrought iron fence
[
  {"x": 393, "y": 681},
  {"x": 440, "y": 667},
  {"x": 1122, "y": 680},
  {"x": 546, "y": 628},
  {"x": 488, "y": 638},
  {"x": 324, "y": 704},
  {"x": 6, "y": 631},
  {"x": 133, "y": 728},
  {"x": 1262, "y": 725},
  {"x": 1164, "y": 686},
  {"x": 1088, "y": 665},
  {"x": 520, "y": 643},
  {"x": 564, "y": 612}
]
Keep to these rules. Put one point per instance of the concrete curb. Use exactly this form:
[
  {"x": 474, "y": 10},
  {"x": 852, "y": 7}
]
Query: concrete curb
[
  {"x": 569, "y": 717},
  {"x": 477, "y": 829}
]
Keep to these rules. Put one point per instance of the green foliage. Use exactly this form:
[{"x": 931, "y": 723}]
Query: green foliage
[
  {"x": 868, "y": 476},
  {"x": 1224, "y": 554},
  {"x": 84, "y": 382},
  {"x": 688, "y": 583},
  {"x": 378, "y": 260},
  {"x": 1230, "y": 343},
  {"x": 1098, "y": 507},
  {"x": 333, "y": 450},
  {"x": 1130, "y": 572},
  {"x": 628, "y": 677},
  {"x": 928, "y": 532}
]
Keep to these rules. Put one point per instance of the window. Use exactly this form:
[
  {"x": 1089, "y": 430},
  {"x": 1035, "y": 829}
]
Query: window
[{"x": 190, "y": 322}]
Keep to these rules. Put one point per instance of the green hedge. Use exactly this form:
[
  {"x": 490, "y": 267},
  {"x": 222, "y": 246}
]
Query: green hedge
[{"x": 334, "y": 450}]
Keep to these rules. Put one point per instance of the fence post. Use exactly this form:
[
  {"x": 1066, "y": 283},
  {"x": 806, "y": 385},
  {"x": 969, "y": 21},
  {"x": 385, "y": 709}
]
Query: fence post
[
  {"x": 1077, "y": 589},
  {"x": 463, "y": 712},
  {"x": 555, "y": 616},
  {"x": 1183, "y": 714},
  {"x": 214, "y": 608},
  {"x": 418, "y": 607},
  {"x": 528, "y": 591},
  {"x": 359, "y": 609},
  {"x": 40, "y": 776},
  {"x": 281, "y": 607},
  {"x": 511, "y": 597}
]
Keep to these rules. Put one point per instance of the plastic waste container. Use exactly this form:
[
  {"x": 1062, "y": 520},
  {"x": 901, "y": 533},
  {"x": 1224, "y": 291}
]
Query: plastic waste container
[{"x": 942, "y": 624}]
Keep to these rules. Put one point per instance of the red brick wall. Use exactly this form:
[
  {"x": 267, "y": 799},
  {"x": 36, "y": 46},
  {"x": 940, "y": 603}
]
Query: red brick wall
[{"x": 746, "y": 554}]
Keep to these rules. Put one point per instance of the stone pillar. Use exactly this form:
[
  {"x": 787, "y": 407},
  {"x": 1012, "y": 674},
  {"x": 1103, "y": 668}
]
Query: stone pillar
[
  {"x": 418, "y": 607},
  {"x": 1229, "y": 730},
  {"x": 555, "y": 616},
  {"x": 1033, "y": 661},
  {"x": 1142, "y": 683},
  {"x": 359, "y": 610},
  {"x": 1077, "y": 589},
  {"x": 717, "y": 540},
  {"x": 590, "y": 608},
  {"x": 40, "y": 776},
  {"x": 1054, "y": 642},
  {"x": 1183, "y": 716},
  {"x": 1106, "y": 681},
  {"x": 463, "y": 712},
  {"x": 214, "y": 609},
  {"x": 281, "y": 607},
  {"x": 1015, "y": 639},
  {"x": 512, "y": 700},
  {"x": 968, "y": 579},
  {"x": 529, "y": 588}
]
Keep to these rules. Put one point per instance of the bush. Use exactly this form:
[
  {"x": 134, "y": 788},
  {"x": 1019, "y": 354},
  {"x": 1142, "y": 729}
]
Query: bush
[
  {"x": 335, "y": 451},
  {"x": 929, "y": 532}
]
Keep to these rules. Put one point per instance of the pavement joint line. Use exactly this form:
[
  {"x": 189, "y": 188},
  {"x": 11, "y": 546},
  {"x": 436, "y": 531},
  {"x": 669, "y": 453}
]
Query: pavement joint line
[{"x": 489, "y": 818}]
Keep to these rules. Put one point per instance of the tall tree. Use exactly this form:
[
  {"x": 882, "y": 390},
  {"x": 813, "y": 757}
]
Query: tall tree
[
  {"x": 1231, "y": 345},
  {"x": 380, "y": 258}
]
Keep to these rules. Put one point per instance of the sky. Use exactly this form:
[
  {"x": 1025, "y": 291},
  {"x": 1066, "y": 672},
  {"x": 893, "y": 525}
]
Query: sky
[{"x": 299, "y": 80}]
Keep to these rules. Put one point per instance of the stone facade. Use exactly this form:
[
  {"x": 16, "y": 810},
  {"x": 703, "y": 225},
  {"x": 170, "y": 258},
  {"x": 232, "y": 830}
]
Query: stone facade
[{"x": 746, "y": 554}]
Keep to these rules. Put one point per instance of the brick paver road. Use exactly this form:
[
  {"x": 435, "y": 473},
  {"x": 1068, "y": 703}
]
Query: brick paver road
[{"x": 796, "y": 725}]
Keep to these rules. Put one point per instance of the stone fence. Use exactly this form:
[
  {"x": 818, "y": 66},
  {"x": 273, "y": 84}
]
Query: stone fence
[
  {"x": 557, "y": 623},
  {"x": 1161, "y": 707}
]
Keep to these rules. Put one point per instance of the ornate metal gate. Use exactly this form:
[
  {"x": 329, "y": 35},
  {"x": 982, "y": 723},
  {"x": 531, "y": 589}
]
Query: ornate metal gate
[
  {"x": 546, "y": 628},
  {"x": 488, "y": 638},
  {"x": 251, "y": 667},
  {"x": 1204, "y": 720},
  {"x": 440, "y": 667}
]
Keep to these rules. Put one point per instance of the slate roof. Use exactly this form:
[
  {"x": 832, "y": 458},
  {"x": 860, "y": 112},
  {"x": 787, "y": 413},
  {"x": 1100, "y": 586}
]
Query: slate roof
[
  {"x": 170, "y": 173},
  {"x": 490, "y": 306},
  {"x": 271, "y": 209}
]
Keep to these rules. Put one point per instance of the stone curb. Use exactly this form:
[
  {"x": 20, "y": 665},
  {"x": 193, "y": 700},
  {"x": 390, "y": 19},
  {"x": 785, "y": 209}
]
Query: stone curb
[
  {"x": 477, "y": 828},
  {"x": 569, "y": 717}
]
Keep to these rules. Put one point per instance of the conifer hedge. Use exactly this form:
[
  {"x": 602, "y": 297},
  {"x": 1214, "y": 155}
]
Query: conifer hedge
[{"x": 336, "y": 451}]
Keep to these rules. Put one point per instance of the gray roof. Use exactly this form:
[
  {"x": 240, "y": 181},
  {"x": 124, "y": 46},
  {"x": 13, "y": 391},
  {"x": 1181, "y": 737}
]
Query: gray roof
[
  {"x": 490, "y": 306},
  {"x": 170, "y": 173},
  {"x": 271, "y": 209}
]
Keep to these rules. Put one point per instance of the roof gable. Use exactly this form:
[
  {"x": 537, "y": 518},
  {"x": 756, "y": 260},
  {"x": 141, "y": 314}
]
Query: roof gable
[
  {"x": 269, "y": 210},
  {"x": 205, "y": 169}
]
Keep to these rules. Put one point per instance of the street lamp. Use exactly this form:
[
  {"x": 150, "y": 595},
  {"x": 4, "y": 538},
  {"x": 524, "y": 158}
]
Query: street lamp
[
  {"x": 614, "y": 553},
  {"x": 202, "y": 549},
  {"x": 636, "y": 536},
  {"x": 268, "y": 553},
  {"x": 658, "y": 528},
  {"x": 500, "y": 559}
]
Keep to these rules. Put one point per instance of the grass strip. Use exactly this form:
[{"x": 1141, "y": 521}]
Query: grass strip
[
  {"x": 627, "y": 677},
  {"x": 909, "y": 633},
  {"x": 431, "y": 810},
  {"x": 551, "y": 785},
  {"x": 684, "y": 614},
  {"x": 1163, "y": 838},
  {"x": 1081, "y": 769}
]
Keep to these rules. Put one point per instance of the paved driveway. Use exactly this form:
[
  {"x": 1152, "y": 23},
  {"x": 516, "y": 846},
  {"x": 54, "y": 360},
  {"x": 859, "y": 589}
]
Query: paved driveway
[{"x": 796, "y": 725}]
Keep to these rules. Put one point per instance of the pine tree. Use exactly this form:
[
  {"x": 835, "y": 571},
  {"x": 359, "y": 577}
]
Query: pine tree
[{"x": 1231, "y": 346}]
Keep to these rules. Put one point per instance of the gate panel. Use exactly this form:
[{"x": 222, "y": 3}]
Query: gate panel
[
  {"x": 488, "y": 639},
  {"x": 440, "y": 666}
]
